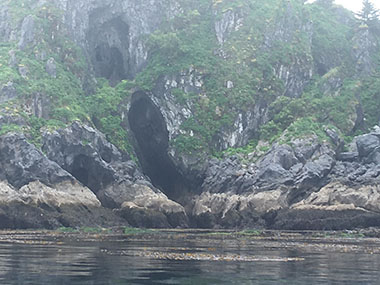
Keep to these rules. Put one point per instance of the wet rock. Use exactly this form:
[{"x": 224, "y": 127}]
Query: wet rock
[{"x": 229, "y": 22}]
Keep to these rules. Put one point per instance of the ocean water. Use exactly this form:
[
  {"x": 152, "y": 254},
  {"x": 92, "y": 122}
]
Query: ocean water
[{"x": 182, "y": 258}]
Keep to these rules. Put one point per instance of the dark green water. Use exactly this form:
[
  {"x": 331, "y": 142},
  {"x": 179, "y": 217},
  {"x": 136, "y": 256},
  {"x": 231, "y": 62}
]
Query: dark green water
[{"x": 137, "y": 260}]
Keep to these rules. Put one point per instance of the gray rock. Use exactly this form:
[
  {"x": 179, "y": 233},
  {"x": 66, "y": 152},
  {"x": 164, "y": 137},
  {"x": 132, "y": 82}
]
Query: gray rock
[
  {"x": 274, "y": 174},
  {"x": 334, "y": 207},
  {"x": 22, "y": 163},
  {"x": 27, "y": 32},
  {"x": 229, "y": 22},
  {"x": 333, "y": 135},
  {"x": 367, "y": 144},
  {"x": 8, "y": 92},
  {"x": 113, "y": 177},
  {"x": 348, "y": 156},
  {"x": 5, "y": 20}
]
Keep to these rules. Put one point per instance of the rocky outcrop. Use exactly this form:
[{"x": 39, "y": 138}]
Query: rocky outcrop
[
  {"x": 36, "y": 193},
  {"x": 8, "y": 92},
  {"x": 27, "y": 32},
  {"x": 300, "y": 185},
  {"x": 112, "y": 32},
  {"x": 335, "y": 207},
  {"x": 77, "y": 180},
  {"x": 113, "y": 177}
]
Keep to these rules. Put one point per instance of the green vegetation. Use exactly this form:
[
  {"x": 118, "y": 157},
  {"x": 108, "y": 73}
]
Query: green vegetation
[
  {"x": 235, "y": 75},
  {"x": 67, "y": 230},
  {"x": 10, "y": 128}
]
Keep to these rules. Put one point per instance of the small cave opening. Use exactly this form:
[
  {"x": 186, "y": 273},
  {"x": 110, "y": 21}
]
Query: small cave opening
[
  {"x": 90, "y": 173},
  {"x": 108, "y": 43},
  {"x": 149, "y": 128},
  {"x": 110, "y": 62}
]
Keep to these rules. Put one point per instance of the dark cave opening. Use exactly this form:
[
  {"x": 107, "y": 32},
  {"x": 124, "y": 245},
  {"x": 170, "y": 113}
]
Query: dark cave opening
[
  {"x": 112, "y": 62},
  {"x": 90, "y": 173},
  {"x": 152, "y": 136},
  {"x": 109, "y": 47}
]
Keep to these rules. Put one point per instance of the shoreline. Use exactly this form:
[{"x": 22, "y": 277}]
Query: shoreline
[{"x": 310, "y": 241}]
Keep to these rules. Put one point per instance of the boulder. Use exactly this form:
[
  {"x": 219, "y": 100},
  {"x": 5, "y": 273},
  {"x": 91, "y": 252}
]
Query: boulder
[
  {"x": 67, "y": 204},
  {"x": 335, "y": 207},
  {"x": 366, "y": 144}
]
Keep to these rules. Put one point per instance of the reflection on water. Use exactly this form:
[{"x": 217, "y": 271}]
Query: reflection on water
[{"x": 158, "y": 260}]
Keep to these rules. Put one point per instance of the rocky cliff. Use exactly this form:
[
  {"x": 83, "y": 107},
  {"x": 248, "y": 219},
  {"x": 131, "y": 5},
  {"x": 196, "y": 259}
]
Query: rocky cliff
[{"x": 177, "y": 113}]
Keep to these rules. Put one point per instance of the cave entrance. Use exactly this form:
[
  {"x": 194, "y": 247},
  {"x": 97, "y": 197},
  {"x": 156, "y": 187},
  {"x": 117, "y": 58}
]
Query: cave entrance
[
  {"x": 152, "y": 136},
  {"x": 90, "y": 173},
  {"x": 110, "y": 62},
  {"x": 108, "y": 43}
]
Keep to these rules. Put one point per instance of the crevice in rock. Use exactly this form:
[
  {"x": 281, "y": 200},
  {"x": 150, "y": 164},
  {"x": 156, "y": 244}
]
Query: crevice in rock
[{"x": 149, "y": 128}]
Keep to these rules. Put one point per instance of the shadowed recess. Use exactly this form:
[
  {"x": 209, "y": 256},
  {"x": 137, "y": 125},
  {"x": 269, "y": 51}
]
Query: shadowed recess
[
  {"x": 90, "y": 173},
  {"x": 109, "y": 47},
  {"x": 149, "y": 128}
]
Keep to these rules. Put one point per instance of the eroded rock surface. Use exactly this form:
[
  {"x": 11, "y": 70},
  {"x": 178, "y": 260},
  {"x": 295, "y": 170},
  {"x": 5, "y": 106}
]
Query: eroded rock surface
[{"x": 300, "y": 185}]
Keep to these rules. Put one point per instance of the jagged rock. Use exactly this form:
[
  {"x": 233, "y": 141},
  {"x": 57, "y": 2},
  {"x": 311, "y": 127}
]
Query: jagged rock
[
  {"x": 229, "y": 22},
  {"x": 27, "y": 32},
  {"x": 85, "y": 152},
  {"x": 22, "y": 163},
  {"x": 348, "y": 156},
  {"x": 112, "y": 176}
]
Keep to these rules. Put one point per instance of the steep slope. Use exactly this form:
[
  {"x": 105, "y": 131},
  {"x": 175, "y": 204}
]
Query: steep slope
[{"x": 241, "y": 111}]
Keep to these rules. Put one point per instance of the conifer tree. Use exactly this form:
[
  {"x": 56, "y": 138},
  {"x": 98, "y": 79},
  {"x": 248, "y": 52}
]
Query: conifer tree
[{"x": 369, "y": 14}]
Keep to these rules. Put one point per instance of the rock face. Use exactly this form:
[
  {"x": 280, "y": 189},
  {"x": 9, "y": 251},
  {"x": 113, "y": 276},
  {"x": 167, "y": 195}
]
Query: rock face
[
  {"x": 78, "y": 179},
  {"x": 303, "y": 185},
  {"x": 115, "y": 179},
  {"x": 36, "y": 193},
  {"x": 112, "y": 32}
]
